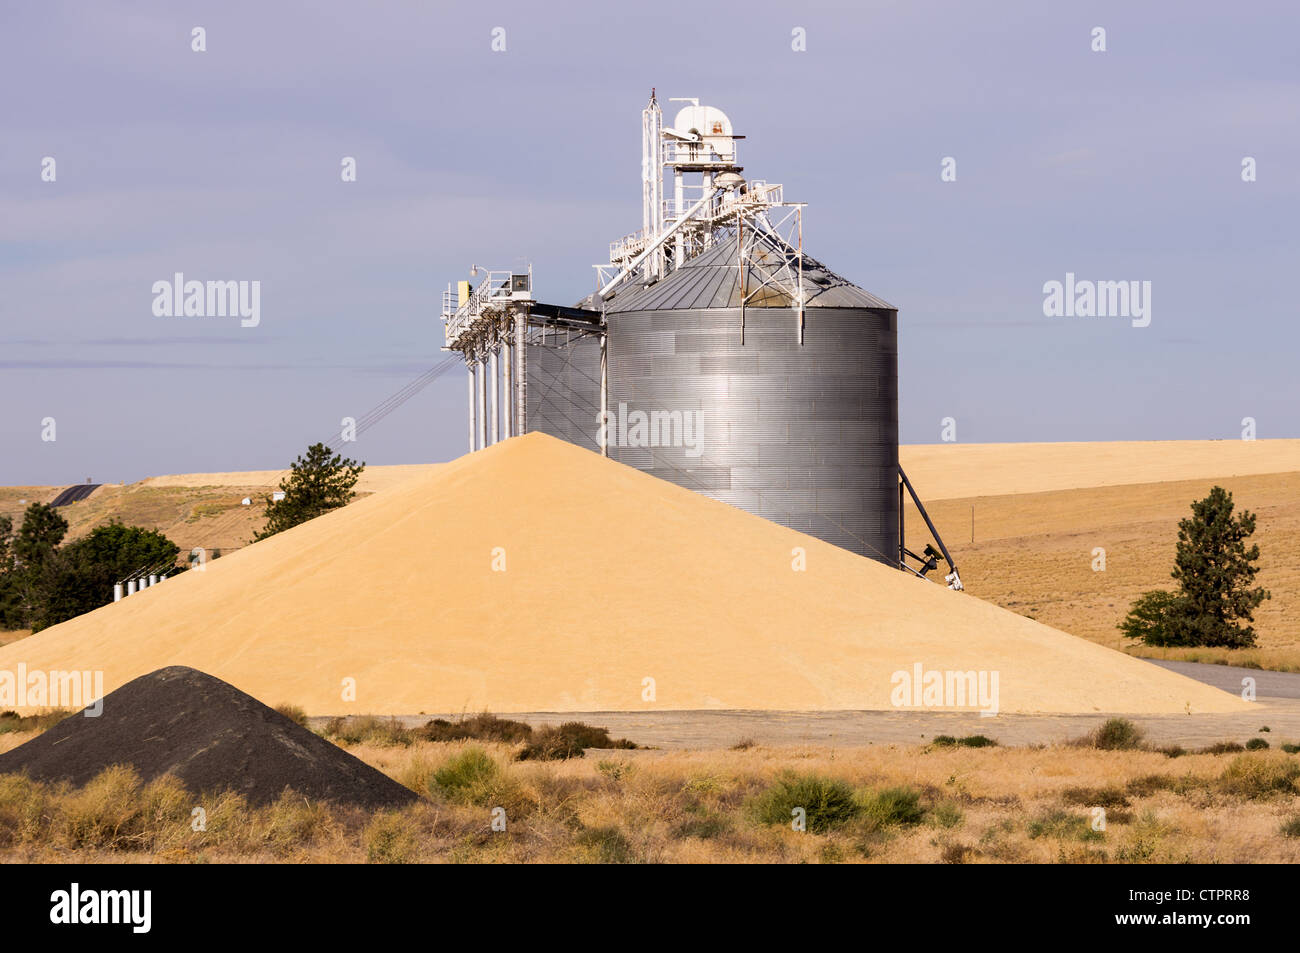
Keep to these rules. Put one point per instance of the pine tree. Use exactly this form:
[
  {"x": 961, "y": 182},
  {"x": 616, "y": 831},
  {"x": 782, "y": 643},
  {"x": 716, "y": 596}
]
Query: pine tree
[
  {"x": 1214, "y": 571},
  {"x": 320, "y": 481}
]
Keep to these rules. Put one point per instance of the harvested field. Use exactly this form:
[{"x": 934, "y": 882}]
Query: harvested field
[
  {"x": 1034, "y": 554},
  {"x": 947, "y": 471}
]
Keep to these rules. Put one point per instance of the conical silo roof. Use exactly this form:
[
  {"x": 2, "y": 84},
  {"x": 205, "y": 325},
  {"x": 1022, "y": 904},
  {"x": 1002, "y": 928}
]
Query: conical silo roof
[{"x": 711, "y": 279}]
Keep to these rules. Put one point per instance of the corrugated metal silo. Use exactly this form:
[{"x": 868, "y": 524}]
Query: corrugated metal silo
[{"x": 802, "y": 433}]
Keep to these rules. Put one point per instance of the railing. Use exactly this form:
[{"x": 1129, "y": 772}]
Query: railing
[{"x": 458, "y": 317}]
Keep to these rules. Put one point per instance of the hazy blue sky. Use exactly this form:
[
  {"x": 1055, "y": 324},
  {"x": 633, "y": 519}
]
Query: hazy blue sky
[{"x": 1122, "y": 165}]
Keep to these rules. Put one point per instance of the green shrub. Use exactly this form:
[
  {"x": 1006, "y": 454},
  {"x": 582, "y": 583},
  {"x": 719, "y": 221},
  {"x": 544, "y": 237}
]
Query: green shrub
[
  {"x": 1155, "y": 619},
  {"x": 969, "y": 741},
  {"x": 891, "y": 806},
  {"x": 827, "y": 802},
  {"x": 1291, "y": 748},
  {"x": 1256, "y": 744},
  {"x": 466, "y": 777},
  {"x": 1291, "y": 827}
]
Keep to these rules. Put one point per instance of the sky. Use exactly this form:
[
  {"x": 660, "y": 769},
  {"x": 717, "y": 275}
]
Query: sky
[{"x": 225, "y": 164}]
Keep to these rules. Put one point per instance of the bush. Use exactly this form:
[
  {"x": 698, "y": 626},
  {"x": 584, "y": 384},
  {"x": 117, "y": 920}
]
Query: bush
[
  {"x": 1291, "y": 827},
  {"x": 827, "y": 802},
  {"x": 969, "y": 741},
  {"x": 1222, "y": 747},
  {"x": 1154, "y": 619},
  {"x": 1116, "y": 734},
  {"x": 1260, "y": 775},
  {"x": 481, "y": 727},
  {"x": 114, "y": 811},
  {"x": 1291, "y": 749},
  {"x": 569, "y": 740},
  {"x": 893, "y": 806},
  {"x": 1256, "y": 744},
  {"x": 467, "y": 776}
]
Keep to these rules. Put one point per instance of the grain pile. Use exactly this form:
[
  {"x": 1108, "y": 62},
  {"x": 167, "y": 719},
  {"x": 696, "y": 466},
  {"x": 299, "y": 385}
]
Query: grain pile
[{"x": 537, "y": 576}]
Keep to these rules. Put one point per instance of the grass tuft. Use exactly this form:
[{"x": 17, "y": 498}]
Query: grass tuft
[{"x": 827, "y": 802}]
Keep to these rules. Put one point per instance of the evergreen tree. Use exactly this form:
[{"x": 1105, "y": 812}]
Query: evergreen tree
[
  {"x": 320, "y": 481},
  {"x": 32, "y": 553},
  {"x": 43, "y": 583},
  {"x": 82, "y": 575},
  {"x": 1215, "y": 572}
]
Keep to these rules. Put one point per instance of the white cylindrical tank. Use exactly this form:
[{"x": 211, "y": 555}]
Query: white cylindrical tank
[
  {"x": 130, "y": 587},
  {"x": 118, "y": 592}
]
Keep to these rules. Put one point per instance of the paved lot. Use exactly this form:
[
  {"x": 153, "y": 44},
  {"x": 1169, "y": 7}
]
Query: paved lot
[
  {"x": 1278, "y": 707},
  {"x": 1228, "y": 677}
]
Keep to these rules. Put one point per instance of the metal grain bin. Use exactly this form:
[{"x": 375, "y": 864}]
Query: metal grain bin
[{"x": 804, "y": 434}]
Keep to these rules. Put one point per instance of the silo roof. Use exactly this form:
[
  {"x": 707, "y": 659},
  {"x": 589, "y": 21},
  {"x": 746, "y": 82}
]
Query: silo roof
[{"x": 711, "y": 279}]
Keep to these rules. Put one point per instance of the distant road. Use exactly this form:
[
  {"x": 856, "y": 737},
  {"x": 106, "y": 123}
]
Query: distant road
[
  {"x": 74, "y": 493},
  {"x": 1228, "y": 677}
]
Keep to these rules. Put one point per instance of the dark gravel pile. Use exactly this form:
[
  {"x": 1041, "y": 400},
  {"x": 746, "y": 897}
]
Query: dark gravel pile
[{"x": 208, "y": 734}]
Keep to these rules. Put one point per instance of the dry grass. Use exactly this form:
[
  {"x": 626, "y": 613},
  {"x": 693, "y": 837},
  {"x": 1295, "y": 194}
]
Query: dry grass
[{"x": 875, "y": 804}]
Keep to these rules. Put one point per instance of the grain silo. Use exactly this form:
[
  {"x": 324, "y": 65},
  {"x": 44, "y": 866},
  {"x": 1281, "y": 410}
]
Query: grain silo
[{"x": 715, "y": 354}]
